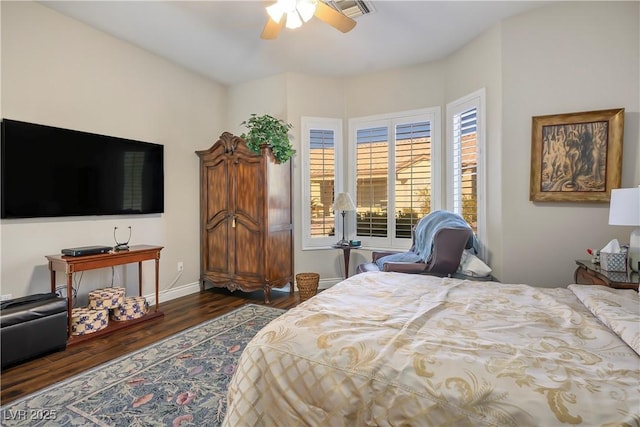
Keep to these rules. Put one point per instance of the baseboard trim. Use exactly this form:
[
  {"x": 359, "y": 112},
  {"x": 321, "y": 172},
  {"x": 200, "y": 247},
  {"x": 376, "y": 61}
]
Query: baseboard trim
[
  {"x": 327, "y": 283},
  {"x": 192, "y": 288},
  {"x": 173, "y": 293},
  {"x": 322, "y": 284}
]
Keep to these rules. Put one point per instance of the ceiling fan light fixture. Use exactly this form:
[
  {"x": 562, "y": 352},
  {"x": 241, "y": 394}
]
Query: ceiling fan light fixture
[
  {"x": 292, "y": 13},
  {"x": 293, "y": 20},
  {"x": 296, "y": 11},
  {"x": 306, "y": 9},
  {"x": 275, "y": 11}
]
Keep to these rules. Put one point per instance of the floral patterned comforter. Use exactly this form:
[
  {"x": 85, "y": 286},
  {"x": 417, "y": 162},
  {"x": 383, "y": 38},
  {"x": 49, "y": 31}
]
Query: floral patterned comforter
[{"x": 390, "y": 349}]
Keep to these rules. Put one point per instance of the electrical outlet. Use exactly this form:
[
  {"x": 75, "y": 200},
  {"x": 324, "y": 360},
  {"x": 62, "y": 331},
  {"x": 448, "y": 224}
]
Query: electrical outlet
[
  {"x": 5, "y": 297},
  {"x": 180, "y": 266}
]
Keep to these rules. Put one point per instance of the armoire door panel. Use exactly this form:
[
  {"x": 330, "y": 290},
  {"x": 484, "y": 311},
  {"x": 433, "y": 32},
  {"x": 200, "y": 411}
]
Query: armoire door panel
[
  {"x": 218, "y": 244},
  {"x": 249, "y": 259},
  {"x": 247, "y": 222},
  {"x": 217, "y": 189},
  {"x": 249, "y": 188}
]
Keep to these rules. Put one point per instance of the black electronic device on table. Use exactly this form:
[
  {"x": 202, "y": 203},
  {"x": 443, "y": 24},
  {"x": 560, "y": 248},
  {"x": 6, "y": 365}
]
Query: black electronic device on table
[
  {"x": 121, "y": 246},
  {"x": 86, "y": 250}
]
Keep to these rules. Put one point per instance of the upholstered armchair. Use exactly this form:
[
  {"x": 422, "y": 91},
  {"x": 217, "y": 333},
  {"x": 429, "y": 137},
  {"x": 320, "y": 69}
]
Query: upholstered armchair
[{"x": 448, "y": 244}]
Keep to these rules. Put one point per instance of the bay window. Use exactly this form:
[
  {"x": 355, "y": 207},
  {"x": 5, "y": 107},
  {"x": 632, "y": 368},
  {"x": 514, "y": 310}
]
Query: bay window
[
  {"x": 396, "y": 173},
  {"x": 394, "y": 177},
  {"x": 465, "y": 149},
  {"x": 321, "y": 143}
]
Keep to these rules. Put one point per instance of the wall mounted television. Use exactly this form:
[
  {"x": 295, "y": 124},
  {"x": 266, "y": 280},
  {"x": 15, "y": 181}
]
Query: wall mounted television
[{"x": 54, "y": 172}]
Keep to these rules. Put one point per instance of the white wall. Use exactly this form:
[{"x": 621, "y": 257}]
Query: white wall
[
  {"x": 289, "y": 97},
  {"x": 478, "y": 65},
  {"x": 402, "y": 89},
  {"x": 542, "y": 62},
  {"x": 57, "y": 71},
  {"x": 317, "y": 97},
  {"x": 566, "y": 57},
  {"x": 60, "y": 72},
  {"x": 263, "y": 96}
]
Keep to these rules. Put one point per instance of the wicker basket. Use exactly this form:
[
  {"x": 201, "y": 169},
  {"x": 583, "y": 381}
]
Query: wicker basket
[{"x": 307, "y": 284}]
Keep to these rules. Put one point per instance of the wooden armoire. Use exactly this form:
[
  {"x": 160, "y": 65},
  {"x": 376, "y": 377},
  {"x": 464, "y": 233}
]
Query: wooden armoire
[{"x": 246, "y": 224}]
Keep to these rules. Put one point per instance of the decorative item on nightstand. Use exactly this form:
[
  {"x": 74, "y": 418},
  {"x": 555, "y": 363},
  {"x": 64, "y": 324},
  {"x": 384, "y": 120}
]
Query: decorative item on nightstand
[
  {"x": 345, "y": 204},
  {"x": 625, "y": 210}
]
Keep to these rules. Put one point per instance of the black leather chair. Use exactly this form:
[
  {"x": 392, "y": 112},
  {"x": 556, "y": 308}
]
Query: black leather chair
[
  {"x": 448, "y": 244},
  {"x": 32, "y": 326}
]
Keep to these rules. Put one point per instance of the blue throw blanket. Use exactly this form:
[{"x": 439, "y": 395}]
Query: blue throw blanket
[{"x": 428, "y": 226}]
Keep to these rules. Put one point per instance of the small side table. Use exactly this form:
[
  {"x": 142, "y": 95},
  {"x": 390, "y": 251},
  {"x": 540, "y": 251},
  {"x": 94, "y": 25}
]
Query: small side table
[
  {"x": 346, "y": 251},
  {"x": 589, "y": 273}
]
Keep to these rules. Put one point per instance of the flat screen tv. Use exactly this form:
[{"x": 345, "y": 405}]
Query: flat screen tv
[{"x": 54, "y": 172}]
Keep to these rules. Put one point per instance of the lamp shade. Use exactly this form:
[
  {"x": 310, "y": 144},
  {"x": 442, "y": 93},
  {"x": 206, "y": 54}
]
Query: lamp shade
[
  {"x": 625, "y": 206},
  {"x": 343, "y": 203}
]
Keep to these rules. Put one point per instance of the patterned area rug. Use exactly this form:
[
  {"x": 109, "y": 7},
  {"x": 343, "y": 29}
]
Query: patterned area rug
[{"x": 180, "y": 381}]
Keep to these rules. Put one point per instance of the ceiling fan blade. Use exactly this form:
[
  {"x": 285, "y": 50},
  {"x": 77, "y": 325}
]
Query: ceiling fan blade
[
  {"x": 272, "y": 29},
  {"x": 334, "y": 18}
]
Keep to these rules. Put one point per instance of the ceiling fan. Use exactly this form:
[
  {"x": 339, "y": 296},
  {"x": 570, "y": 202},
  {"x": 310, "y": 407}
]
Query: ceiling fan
[{"x": 292, "y": 13}]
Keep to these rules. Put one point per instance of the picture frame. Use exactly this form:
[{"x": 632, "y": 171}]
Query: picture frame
[{"x": 576, "y": 157}]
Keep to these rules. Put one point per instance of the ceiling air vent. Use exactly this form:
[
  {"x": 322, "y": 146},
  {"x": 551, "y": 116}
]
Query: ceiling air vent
[{"x": 352, "y": 8}]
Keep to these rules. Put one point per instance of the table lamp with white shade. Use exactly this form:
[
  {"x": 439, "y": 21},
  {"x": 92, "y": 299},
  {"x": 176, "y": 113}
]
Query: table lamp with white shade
[
  {"x": 625, "y": 210},
  {"x": 343, "y": 204}
]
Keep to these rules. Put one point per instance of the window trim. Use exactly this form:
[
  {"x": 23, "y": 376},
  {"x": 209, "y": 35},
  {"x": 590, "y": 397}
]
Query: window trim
[
  {"x": 391, "y": 120},
  {"x": 476, "y": 100},
  {"x": 306, "y": 125}
]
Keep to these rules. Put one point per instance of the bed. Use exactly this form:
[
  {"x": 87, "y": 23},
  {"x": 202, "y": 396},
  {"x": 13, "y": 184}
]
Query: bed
[{"x": 394, "y": 349}]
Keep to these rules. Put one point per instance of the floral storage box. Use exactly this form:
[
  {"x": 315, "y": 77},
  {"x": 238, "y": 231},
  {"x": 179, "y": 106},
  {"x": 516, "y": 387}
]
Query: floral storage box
[
  {"x": 131, "y": 308},
  {"x": 613, "y": 261},
  {"x": 106, "y": 298},
  {"x": 88, "y": 321}
]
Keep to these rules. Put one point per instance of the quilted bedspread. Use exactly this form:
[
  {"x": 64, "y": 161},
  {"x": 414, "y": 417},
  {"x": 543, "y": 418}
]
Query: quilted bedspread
[{"x": 390, "y": 349}]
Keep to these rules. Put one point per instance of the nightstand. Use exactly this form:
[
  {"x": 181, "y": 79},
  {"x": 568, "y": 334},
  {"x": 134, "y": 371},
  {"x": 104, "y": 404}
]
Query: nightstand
[{"x": 589, "y": 273}]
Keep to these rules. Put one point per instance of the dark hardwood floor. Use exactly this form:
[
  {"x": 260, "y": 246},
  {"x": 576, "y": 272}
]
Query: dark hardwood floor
[{"x": 179, "y": 314}]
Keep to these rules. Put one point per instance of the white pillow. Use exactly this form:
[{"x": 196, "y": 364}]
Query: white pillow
[{"x": 471, "y": 265}]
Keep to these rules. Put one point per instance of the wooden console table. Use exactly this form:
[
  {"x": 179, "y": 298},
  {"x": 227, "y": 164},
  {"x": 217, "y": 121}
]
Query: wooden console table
[
  {"x": 70, "y": 265},
  {"x": 588, "y": 273}
]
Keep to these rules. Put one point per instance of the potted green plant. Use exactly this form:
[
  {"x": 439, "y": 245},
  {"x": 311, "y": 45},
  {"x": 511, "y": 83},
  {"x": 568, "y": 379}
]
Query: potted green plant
[{"x": 268, "y": 130}]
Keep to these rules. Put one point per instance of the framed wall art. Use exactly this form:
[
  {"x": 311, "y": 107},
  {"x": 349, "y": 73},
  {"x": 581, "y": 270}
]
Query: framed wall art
[{"x": 576, "y": 157}]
